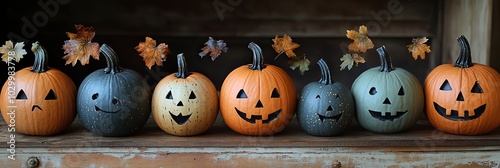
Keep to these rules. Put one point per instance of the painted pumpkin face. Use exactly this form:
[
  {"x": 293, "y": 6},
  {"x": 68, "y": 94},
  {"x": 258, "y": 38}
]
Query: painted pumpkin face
[
  {"x": 459, "y": 96},
  {"x": 113, "y": 101},
  {"x": 45, "y": 98},
  {"x": 325, "y": 108},
  {"x": 185, "y": 104},
  {"x": 388, "y": 99},
  {"x": 257, "y": 99}
]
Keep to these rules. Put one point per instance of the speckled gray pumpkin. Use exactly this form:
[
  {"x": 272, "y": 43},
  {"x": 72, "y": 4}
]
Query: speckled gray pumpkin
[
  {"x": 325, "y": 108},
  {"x": 113, "y": 101},
  {"x": 388, "y": 99}
]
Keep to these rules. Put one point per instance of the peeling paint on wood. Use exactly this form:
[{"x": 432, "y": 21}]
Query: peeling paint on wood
[{"x": 255, "y": 157}]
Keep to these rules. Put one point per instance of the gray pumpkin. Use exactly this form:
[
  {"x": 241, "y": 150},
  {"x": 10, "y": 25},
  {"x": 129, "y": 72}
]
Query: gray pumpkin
[
  {"x": 388, "y": 99},
  {"x": 113, "y": 101},
  {"x": 325, "y": 108}
]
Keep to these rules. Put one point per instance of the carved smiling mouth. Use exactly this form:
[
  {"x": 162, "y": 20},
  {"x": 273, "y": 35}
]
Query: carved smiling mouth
[
  {"x": 454, "y": 113},
  {"x": 36, "y": 106},
  {"x": 335, "y": 117},
  {"x": 180, "y": 119},
  {"x": 104, "y": 111},
  {"x": 388, "y": 116},
  {"x": 271, "y": 117}
]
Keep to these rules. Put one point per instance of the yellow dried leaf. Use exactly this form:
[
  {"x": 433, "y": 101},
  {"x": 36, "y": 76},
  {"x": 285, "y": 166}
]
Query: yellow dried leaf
[
  {"x": 419, "y": 48},
  {"x": 302, "y": 63},
  {"x": 15, "y": 52}
]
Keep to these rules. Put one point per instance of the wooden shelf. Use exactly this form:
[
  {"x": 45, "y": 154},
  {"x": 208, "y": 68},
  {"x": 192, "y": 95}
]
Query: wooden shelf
[
  {"x": 422, "y": 135},
  {"x": 420, "y": 146}
]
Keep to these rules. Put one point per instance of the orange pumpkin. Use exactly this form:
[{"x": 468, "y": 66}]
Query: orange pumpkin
[
  {"x": 257, "y": 99},
  {"x": 461, "y": 98},
  {"x": 44, "y": 98}
]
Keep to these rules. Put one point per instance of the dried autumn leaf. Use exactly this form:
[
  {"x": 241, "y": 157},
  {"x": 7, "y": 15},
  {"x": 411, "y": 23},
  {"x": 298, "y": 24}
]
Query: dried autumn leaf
[
  {"x": 358, "y": 59},
  {"x": 215, "y": 48},
  {"x": 11, "y": 51},
  {"x": 419, "y": 48},
  {"x": 361, "y": 41},
  {"x": 300, "y": 62},
  {"x": 285, "y": 45},
  {"x": 80, "y": 47},
  {"x": 347, "y": 62},
  {"x": 151, "y": 53}
]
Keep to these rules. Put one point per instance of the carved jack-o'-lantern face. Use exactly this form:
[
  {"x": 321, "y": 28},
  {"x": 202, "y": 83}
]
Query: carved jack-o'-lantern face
[
  {"x": 387, "y": 112},
  {"x": 461, "y": 98},
  {"x": 265, "y": 117},
  {"x": 257, "y": 99},
  {"x": 184, "y": 103},
  {"x": 462, "y": 112}
]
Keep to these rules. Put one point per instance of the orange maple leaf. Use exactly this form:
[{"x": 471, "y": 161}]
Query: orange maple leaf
[
  {"x": 361, "y": 41},
  {"x": 419, "y": 48},
  {"x": 151, "y": 53},
  {"x": 358, "y": 58},
  {"x": 285, "y": 45},
  {"x": 79, "y": 46}
]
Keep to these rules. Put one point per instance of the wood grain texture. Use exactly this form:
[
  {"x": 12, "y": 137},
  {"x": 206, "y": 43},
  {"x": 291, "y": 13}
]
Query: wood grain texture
[
  {"x": 257, "y": 157},
  {"x": 472, "y": 19},
  {"x": 423, "y": 136}
]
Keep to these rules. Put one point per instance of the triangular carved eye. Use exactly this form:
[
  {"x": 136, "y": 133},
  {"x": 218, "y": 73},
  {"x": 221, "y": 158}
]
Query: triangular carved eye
[
  {"x": 21, "y": 95},
  {"x": 192, "y": 95},
  {"x": 169, "y": 95},
  {"x": 477, "y": 88},
  {"x": 401, "y": 91},
  {"x": 445, "y": 86},
  {"x": 51, "y": 95},
  {"x": 318, "y": 97},
  {"x": 275, "y": 93},
  {"x": 241, "y": 94}
]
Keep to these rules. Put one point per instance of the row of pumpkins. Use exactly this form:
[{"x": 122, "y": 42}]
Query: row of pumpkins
[{"x": 255, "y": 99}]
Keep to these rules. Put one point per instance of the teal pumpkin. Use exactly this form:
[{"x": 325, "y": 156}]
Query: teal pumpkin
[
  {"x": 325, "y": 108},
  {"x": 388, "y": 99}
]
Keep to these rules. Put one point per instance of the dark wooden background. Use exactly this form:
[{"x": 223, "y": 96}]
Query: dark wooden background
[{"x": 319, "y": 26}]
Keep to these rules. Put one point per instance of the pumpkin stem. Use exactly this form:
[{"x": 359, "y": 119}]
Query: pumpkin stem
[
  {"x": 111, "y": 60},
  {"x": 258, "y": 59},
  {"x": 464, "y": 60},
  {"x": 40, "y": 64},
  {"x": 182, "y": 67},
  {"x": 385, "y": 59},
  {"x": 326, "y": 77}
]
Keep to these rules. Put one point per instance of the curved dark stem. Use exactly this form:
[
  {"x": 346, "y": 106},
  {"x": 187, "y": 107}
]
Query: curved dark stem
[
  {"x": 258, "y": 59},
  {"x": 111, "y": 59},
  {"x": 464, "y": 60},
  {"x": 182, "y": 71},
  {"x": 326, "y": 77},
  {"x": 40, "y": 64},
  {"x": 385, "y": 60}
]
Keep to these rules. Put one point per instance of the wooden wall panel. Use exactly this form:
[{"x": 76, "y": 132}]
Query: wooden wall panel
[
  {"x": 185, "y": 25},
  {"x": 472, "y": 19}
]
